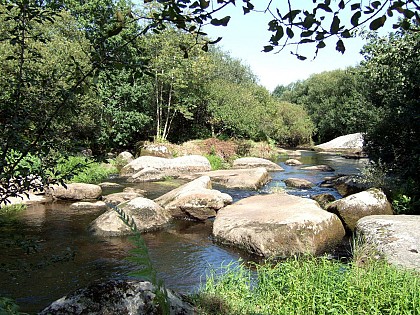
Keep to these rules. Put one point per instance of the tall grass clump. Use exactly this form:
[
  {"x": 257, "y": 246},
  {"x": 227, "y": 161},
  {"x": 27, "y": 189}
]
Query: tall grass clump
[
  {"x": 216, "y": 162},
  {"x": 308, "y": 286},
  {"x": 88, "y": 171}
]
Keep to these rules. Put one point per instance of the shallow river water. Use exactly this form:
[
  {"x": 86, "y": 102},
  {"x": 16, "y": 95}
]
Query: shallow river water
[{"x": 46, "y": 251}]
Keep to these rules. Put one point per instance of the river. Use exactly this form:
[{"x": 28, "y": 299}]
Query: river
[{"x": 47, "y": 251}]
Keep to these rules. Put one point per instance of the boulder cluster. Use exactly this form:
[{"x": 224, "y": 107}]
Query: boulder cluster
[{"x": 274, "y": 226}]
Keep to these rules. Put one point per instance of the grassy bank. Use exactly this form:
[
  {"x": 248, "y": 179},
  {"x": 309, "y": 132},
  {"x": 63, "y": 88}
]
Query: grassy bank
[{"x": 307, "y": 286}]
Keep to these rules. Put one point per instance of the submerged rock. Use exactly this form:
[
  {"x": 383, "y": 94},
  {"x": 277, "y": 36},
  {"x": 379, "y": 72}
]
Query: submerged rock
[
  {"x": 278, "y": 226},
  {"x": 128, "y": 297},
  {"x": 195, "y": 199},
  {"x": 321, "y": 168},
  {"x": 298, "y": 183},
  {"x": 75, "y": 191},
  {"x": 354, "y": 207},
  {"x": 293, "y": 162},
  {"x": 253, "y": 162},
  {"x": 396, "y": 237},
  {"x": 147, "y": 215}
]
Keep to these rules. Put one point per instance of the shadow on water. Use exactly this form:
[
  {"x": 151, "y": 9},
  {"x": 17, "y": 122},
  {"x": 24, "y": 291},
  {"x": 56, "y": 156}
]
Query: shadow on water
[{"x": 47, "y": 251}]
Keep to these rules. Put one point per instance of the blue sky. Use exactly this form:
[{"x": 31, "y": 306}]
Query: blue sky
[{"x": 245, "y": 36}]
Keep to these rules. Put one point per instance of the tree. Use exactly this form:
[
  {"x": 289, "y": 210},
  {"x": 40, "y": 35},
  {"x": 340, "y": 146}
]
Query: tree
[
  {"x": 44, "y": 66},
  {"x": 334, "y": 102},
  {"x": 392, "y": 84},
  {"x": 174, "y": 79}
]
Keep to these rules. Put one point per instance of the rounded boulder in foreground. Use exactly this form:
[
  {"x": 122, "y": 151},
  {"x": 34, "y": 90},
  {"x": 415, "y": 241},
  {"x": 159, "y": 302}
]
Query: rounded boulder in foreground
[{"x": 278, "y": 226}]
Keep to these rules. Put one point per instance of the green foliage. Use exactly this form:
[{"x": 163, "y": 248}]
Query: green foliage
[
  {"x": 12, "y": 209},
  {"x": 402, "y": 204},
  {"x": 311, "y": 286},
  {"x": 216, "y": 162},
  {"x": 9, "y": 307},
  {"x": 392, "y": 81},
  {"x": 334, "y": 101},
  {"x": 90, "y": 171}
]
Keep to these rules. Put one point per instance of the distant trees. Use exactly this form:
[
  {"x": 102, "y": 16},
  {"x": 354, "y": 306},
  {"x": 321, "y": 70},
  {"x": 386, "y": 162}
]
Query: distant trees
[{"x": 334, "y": 101}]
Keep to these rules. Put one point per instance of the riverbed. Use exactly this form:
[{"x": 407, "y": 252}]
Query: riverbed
[{"x": 47, "y": 251}]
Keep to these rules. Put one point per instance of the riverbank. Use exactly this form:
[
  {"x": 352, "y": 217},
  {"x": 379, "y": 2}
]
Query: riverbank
[{"x": 308, "y": 285}]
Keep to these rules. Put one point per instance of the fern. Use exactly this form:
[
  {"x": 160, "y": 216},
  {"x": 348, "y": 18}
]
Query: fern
[{"x": 140, "y": 256}]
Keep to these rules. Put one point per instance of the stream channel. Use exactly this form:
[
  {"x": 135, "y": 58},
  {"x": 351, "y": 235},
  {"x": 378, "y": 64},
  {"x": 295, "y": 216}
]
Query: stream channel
[{"x": 47, "y": 252}]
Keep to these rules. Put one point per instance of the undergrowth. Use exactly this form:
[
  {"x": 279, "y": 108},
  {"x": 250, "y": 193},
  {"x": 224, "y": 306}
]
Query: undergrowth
[{"x": 305, "y": 286}]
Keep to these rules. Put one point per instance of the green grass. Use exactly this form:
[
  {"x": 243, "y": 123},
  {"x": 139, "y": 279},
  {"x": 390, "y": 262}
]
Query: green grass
[
  {"x": 216, "y": 162},
  {"x": 87, "y": 170},
  {"x": 12, "y": 209},
  {"x": 311, "y": 286}
]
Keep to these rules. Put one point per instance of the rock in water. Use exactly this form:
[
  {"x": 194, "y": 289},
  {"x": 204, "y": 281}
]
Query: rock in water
[
  {"x": 195, "y": 199},
  {"x": 147, "y": 215},
  {"x": 278, "y": 226},
  {"x": 354, "y": 207},
  {"x": 253, "y": 162},
  {"x": 75, "y": 191},
  {"x": 118, "y": 297}
]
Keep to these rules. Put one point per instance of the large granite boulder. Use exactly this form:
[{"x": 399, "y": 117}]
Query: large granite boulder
[
  {"x": 75, "y": 191},
  {"x": 278, "y": 225},
  {"x": 253, "y": 178},
  {"x": 168, "y": 167},
  {"x": 253, "y": 162},
  {"x": 128, "y": 297},
  {"x": 351, "y": 142},
  {"x": 194, "y": 200},
  {"x": 147, "y": 215},
  {"x": 300, "y": 183},
  {"x": 396, "y": 237},
  {"x": 354, "y": 207},
  {"x": 116, "y": 198}
]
